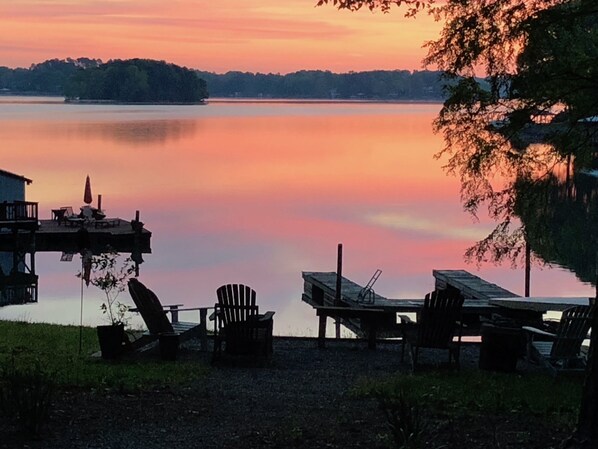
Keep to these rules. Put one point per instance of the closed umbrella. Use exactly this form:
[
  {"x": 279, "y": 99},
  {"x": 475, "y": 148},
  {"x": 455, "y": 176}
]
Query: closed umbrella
[{"x": 87, "y": 198}]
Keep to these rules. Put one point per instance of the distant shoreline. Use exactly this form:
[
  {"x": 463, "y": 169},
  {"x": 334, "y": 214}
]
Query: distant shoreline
[
  {"x": 227, "y": 100},
  {"x": 137, "y": 103},
  {"x": 320, "y": 100}
]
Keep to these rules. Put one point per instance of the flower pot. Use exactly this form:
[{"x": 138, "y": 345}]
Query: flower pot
[
  {"x": 169, "y": 346},
  {"x": 111, "y": 338}
]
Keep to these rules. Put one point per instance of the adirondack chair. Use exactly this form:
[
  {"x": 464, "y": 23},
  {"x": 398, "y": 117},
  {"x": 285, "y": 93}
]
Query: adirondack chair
[
  {"x": 239, "y": 325},
  {"x": 437, "y": 324},
  {"x": 154, "y": 315},
  {"x": 560, "y": 351}
]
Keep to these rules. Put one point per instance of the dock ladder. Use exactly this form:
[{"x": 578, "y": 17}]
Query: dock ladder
[{"x": 367, "y": 294}]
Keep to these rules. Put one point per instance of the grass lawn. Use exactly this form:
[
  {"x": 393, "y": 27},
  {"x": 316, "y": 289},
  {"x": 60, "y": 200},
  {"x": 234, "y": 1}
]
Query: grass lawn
[
  {"x": 482, "y": 392},
  {"x": 55, "y": 350}
]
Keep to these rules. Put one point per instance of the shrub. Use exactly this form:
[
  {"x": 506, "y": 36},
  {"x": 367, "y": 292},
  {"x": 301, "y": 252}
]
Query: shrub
[
  {"x": 403, "y": 415},
  {"x": 26, "y": 396}
]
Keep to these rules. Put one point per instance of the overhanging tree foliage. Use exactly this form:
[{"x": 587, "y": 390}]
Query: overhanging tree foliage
[{"x": 537, "y": 57}]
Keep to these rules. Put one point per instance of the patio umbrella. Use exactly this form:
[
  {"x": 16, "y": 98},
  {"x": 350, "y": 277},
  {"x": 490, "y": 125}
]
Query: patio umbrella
[{"x": 87, "y": 198}]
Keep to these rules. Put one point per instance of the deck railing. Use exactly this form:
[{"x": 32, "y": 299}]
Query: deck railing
[
  {"x": 18, "y": 211},
  {"x": 18, "y": 294}
]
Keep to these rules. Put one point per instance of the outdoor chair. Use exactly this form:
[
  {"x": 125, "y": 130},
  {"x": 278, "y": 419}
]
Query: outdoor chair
[
  {"x": 98, "y": 214},
  {"x": 154, "y": 315},
  {"x": 239, "y": 326},
  {"x": 561, "y": 351},
  {"x": 438, "y": 323},
  {"x": 64, "y": 214}
]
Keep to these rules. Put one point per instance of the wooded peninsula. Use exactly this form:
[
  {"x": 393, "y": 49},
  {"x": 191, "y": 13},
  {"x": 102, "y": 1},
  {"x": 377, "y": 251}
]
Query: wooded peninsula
[{"x": 144, "y": 80}]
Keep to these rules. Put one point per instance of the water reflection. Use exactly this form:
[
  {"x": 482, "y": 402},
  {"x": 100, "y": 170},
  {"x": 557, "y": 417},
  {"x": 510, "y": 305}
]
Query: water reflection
[
  {"x": 254, "y": 194},
  {"x": 134, "y": 133},
  {"x": 18, "y": 280},
  {"x": 560, "y": 215}
]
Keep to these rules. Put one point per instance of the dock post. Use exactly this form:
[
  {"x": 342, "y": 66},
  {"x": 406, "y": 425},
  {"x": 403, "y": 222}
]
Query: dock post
[
  {"x": 322, "y": 331},
  {"x": 136, "y": 239},
  {"x": 339, "y": 286},
  {"x": 203, "y": 329},
  {"x": 372, "y": 336}
]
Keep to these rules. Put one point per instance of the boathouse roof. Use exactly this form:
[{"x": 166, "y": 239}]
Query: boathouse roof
[{"x": 8, "y": 174}]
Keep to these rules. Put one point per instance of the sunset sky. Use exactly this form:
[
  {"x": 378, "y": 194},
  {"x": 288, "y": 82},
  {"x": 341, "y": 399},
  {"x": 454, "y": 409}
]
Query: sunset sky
[{"x": 270, "y": 36}]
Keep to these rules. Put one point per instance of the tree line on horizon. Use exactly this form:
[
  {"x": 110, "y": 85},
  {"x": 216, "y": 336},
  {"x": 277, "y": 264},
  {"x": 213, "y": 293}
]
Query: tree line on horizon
[
  {"x": 132, "y": 80},
  {"x": 136, "y": 80},
  {"x": 319, "y": 84},
  {"x": 147, "y": 80}
]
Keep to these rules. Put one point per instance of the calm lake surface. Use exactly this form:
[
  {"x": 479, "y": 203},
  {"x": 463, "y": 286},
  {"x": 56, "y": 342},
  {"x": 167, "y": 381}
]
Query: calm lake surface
[{"x": 252, "y": 193}]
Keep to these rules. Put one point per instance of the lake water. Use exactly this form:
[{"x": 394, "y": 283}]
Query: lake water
[{"x": 252, "y": 193}]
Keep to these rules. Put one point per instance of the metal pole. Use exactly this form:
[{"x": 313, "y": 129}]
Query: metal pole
[
  {"x": 81, "y": 313},
  {"x": 528, "y": 254}
]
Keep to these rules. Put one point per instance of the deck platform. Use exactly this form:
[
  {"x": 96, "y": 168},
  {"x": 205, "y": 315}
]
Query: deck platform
[
  {"x": 51, "y": 235},
  {"x": 378, "y": 316},
  {"x": 469, "y": 285},
  {"x": 367, "y": 320}
]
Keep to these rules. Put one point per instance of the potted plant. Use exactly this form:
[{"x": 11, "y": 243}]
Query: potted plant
[{"x": 105, "y": 273}]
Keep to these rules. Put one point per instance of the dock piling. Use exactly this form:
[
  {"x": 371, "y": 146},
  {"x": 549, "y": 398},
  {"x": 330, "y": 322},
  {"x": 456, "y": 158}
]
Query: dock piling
[{"x": 339, "y": 286}]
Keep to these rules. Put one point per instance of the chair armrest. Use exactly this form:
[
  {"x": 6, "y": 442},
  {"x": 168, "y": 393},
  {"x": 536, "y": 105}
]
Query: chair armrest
[
  {"x": 266, "y": 316},
  {"x": 172, "y": 305},
  {"x": 187, "y": 309},
  {"x": 535, "y": 331},
  {"x": 136, "y": 310},
  {"x": 216, "y": 313}
]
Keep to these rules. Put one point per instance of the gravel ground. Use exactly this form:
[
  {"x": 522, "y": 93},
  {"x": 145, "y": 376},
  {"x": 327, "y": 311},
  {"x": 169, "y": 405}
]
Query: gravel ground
[{"x": 300, "y": 399}]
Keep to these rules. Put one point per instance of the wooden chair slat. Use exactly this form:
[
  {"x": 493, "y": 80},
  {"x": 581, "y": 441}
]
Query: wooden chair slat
[
  {"x": 565, "y": 349},
  {"x": 437, "y": 325},
  {"x": 239, "y": 326},
  {"x": 149, "y": 307}
]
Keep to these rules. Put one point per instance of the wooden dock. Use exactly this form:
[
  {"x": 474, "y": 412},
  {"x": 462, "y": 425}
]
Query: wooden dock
[
  {"x": 376, "y": 316},
  {"x": 469, "y": 286},
  {"x": 21, "y": 231},
  {"x": 369, "y": 318},
  {"x": 52, "y": 235}
]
